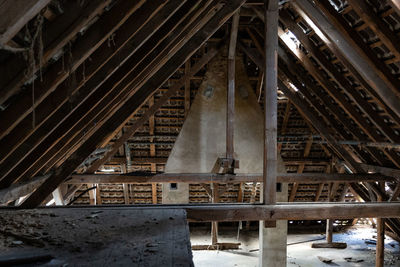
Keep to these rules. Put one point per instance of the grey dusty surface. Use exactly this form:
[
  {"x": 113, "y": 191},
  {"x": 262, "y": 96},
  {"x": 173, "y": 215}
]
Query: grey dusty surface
[
  {"x": 299, "y": 251},
  {"x": 98, "y": 237}
]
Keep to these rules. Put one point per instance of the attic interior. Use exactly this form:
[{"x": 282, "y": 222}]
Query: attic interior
[{"x": 200, "y": 132}]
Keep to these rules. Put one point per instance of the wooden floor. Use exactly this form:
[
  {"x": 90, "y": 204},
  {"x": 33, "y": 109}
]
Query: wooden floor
[{"x": 98, "y": 237}]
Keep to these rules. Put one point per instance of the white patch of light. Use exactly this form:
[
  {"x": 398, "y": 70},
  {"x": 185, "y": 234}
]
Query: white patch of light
[
  {"x": 347, "y": 168},
  {"x": 291, "y": 41},
  {"x": 293, "y": 87},
  {"x": 316, "y": 29},
  {"x": 107, "y": 170},
  {"x": 51, "y": 202}
]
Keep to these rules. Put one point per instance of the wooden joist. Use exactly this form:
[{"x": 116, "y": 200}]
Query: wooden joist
[{"x": 225, "y": 178}]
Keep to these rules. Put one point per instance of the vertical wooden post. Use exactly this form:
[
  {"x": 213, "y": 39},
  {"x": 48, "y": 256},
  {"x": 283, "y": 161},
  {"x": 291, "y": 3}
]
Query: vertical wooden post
[
  {"x": 329, "y": 231},
  {"x": 125, "y": 186},
  {"x": 187, "y": 87},
  {"x": 230, "y": 110},
  {"x": 380, "y": 236},
  {"x": 214, "y": 225},
  {"x": 380, "y": 243},
  {"x": 153, "y": 166},
  {"x": 270, "y": 101}
]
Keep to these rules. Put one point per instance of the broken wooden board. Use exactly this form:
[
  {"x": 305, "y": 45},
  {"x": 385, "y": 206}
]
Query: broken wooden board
[
  {"x": 218, "y": 246},
  {"x": 338, "y": 245},
  {"x": 99, "y": 236}
]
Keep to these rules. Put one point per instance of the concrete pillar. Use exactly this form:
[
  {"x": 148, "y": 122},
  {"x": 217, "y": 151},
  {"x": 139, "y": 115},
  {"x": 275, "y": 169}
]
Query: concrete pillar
[{"x": 273, "y": 241}]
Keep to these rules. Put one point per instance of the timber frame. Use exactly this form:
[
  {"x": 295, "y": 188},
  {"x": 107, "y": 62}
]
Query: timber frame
[{"x": 105, "y": 85}]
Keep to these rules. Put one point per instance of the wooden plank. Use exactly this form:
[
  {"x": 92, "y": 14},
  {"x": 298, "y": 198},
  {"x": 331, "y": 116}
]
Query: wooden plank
[
  {"x": 270, "y": 101},
  {"x": 380, "y": 242},
  {"x": 222, "y": 178},
  {"x": 15, "y": 14},
  {"x": 132, "y": 103}
]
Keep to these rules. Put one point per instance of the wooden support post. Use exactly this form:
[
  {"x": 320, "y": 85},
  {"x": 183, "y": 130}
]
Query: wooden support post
[
  {"x": 153, "y": 166},
  {"x": 214, "y": 225},
  {"x": 380, "y": 236},
  {"x": 270, "y": 101},
  {"x": 187, "y": 87},
  {"x": 271, "y": 17},
  {"x": 98, "y": 195},
  {"x": 92, "y": 196},
  {"x": 125, "y": 186},
  {"x": 230, "y": 112},
  {"x": 329, "y": 230}
]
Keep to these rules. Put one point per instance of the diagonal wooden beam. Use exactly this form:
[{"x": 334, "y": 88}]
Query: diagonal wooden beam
[
  {"x": 133, "y": 102},
  {"x": 95, "y": 36},
  {"x": 353, "y": 47},
  {"x": 15, "y": 14},
  {"x": 56, "y": 35}
]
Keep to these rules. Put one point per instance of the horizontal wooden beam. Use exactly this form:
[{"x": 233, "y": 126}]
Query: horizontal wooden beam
[
  {"x": 160, "y": 160},
  {"x": 257, "y": 212},
  {"x": 304, "y": 211},
  {"x": 223, "y": 178}
]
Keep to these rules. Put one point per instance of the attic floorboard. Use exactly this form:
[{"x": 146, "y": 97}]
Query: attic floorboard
[{"x": 92, "y": 237}]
